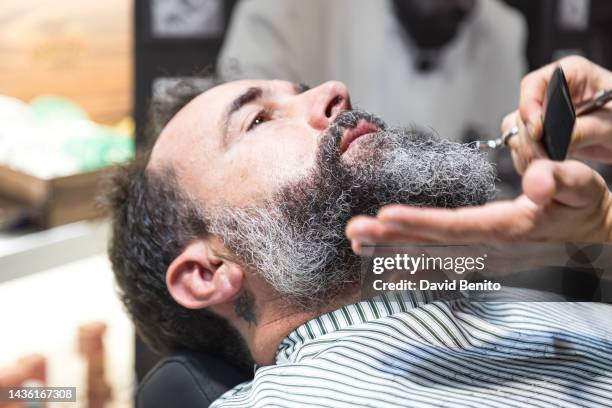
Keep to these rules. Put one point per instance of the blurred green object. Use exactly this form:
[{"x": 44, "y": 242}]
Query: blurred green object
[
  {"x": 89, "y": 145},
  {"x": 105, "y": 146},
  {"x": 48, "y": 109}
]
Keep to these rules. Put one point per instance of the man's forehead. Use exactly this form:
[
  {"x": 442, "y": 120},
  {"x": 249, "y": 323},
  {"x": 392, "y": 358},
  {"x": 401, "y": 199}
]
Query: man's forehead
[{"x": 201, "y": 119}]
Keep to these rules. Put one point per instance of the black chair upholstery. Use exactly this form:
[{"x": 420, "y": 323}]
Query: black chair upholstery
[{"x": 187, "y": 380}]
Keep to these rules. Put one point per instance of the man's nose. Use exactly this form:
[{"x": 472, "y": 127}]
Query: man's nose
[{"x": 324, "y": 102}]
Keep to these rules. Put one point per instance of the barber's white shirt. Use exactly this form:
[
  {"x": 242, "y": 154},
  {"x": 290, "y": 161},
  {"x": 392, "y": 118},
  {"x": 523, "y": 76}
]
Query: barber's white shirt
[
  {"x": 415, "y": 349},
  {"x": 361, "y": 43}
]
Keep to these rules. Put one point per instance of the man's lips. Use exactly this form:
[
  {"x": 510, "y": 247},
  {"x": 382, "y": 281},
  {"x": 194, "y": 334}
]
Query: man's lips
[{"x": 363, "y": 127}]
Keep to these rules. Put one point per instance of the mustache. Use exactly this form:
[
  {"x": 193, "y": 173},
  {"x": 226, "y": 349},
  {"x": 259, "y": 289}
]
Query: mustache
[{"x": 344, "y": 121}]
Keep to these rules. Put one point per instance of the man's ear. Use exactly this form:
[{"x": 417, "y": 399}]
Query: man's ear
[{"x": 198, "y": 278}]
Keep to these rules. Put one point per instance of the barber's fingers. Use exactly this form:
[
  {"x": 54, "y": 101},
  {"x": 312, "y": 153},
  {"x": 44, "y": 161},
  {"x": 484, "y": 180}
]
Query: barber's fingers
[
  {"x": 523, "y": 148},
  {"x": 593, "y": 129},
  {"x": 363, "y": 230},
  {"x": 592, "y": 136},
  {"x": 518, "y": 158},
  {"x": 583, "y": 79},
  {"x": 597, "y": 153},
  {"x": 370, "y": 230},
  {"x": 531, "y": 101},
  {"x": 591, "y": 139},
  {"x": 503, "y": 220},
  {"x": 570, "y": 183},
  {"x": 509, "y": 122}
]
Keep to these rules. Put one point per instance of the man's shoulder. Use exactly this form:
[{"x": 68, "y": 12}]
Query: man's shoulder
[{"x": 289, "y": 384}]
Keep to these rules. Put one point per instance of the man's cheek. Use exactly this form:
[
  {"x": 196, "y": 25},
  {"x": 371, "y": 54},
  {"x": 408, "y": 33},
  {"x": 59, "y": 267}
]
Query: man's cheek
[
  {"x": 292, "y": 155},
  {"x": 259, "y": 176},
  {"x": 291, "y": 164}
]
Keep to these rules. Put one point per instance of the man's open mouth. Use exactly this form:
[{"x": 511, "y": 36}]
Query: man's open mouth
[{"x": 362, "y": 128}]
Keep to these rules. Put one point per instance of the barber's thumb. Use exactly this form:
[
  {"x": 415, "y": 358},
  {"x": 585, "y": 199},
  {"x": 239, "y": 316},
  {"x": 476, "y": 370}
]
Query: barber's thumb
[
  {"x": 539, "y": 184},
  {"x": 570, "y": 183}
]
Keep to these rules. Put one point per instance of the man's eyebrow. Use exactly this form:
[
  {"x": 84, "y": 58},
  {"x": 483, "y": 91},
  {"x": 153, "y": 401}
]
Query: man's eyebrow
[
  {"x": 254, "y": 93},
  {"x": 250, "y": 95}
]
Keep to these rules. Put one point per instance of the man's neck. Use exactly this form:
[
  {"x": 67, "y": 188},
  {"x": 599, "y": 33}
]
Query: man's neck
[
  {"x": 264, "y": 338},
  {"x": 274, "y": 319}
]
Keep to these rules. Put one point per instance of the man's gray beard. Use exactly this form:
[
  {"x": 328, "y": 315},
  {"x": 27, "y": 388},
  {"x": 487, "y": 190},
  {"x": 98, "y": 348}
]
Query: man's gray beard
[{"x": 296, "y": 240}]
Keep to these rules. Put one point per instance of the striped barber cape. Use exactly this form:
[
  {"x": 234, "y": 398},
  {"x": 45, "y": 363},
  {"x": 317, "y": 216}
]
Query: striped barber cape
[{"x": 416, "y": 349}]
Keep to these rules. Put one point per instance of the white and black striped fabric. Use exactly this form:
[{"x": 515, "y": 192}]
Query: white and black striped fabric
[{"x": 411, "y": 350}]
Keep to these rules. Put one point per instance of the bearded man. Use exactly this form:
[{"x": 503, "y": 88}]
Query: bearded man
[{"x": 229, "y": 239}]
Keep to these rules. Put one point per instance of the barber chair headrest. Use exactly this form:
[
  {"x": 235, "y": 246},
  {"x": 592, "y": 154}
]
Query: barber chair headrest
[{"x": 187, "y": 380}]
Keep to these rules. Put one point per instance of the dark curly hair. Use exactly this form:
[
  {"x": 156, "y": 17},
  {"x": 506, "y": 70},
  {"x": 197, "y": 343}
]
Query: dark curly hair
[{"x": 153, "y": 220}]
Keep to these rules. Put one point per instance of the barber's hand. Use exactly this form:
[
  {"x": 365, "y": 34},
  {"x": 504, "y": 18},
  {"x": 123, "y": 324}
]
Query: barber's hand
[
  {"x": 592, "y": 136},
  {"x": 562, "y": 201}
]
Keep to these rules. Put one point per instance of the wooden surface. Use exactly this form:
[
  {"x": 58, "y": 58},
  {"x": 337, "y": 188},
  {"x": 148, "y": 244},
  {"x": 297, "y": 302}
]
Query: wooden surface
[
  {"x": 74, "y": 48},
  {"x": 56, "y": 201}
]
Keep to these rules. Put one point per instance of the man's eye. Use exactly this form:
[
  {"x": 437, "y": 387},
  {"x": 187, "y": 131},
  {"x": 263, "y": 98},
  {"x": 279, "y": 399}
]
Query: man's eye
[{"x": 259, "y": 119}]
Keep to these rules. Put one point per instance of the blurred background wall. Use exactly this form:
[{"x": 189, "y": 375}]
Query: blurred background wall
[{"x": 78, "y": 49}]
